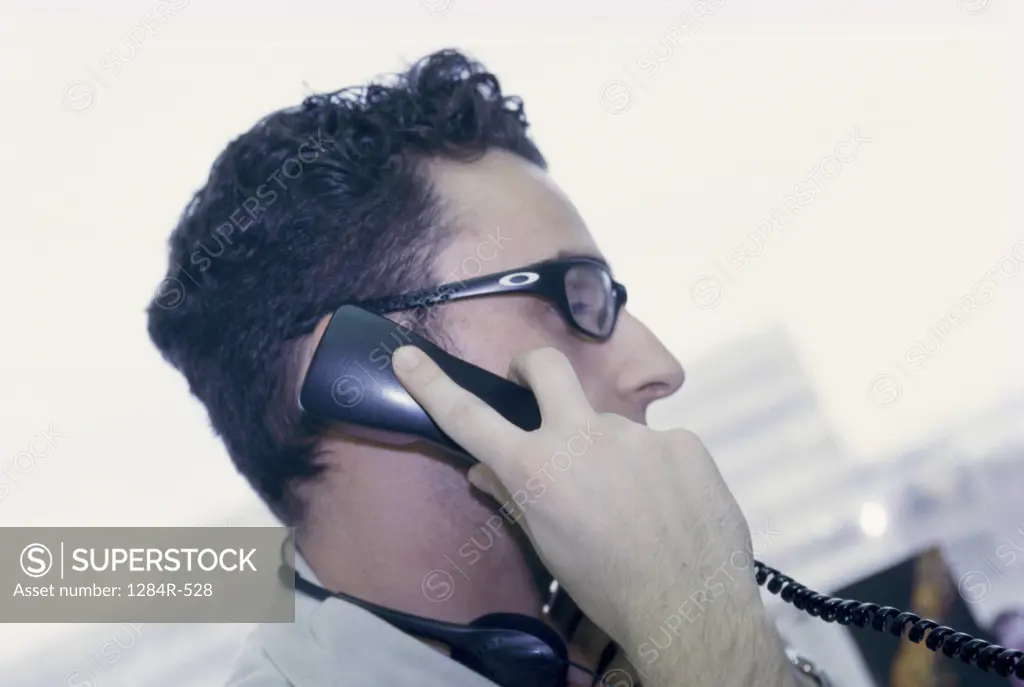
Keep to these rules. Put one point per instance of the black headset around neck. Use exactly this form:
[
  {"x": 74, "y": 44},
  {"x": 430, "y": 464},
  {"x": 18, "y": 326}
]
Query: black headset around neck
[{"x": 509, "y": 649}]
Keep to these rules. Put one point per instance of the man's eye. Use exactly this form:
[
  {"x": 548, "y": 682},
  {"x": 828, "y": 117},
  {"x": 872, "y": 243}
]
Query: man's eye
[{"x": 579, "y": 307}]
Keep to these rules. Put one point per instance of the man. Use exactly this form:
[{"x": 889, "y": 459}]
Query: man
[{"x": 428, "y": 180}]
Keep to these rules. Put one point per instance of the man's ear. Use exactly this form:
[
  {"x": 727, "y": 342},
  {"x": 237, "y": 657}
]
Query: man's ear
[
  {"x": 308, "y": 347},
  {"x": 421, "y": 321},
  {"x": 428, "y": 323}
]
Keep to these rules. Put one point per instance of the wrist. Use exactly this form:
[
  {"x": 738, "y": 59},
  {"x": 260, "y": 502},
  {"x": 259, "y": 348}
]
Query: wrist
[{"x": 731, "y": 642}]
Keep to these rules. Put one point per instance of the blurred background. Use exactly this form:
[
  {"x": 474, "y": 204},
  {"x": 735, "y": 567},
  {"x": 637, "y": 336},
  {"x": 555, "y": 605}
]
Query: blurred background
[{"x": 854, "y": 367}]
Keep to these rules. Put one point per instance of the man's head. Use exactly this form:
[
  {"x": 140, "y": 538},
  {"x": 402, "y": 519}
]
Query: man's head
[{"x": 426, "y": 179}]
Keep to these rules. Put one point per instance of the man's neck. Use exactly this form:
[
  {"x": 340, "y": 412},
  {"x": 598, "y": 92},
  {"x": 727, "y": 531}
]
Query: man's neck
[{"x": 401, "y": 530}]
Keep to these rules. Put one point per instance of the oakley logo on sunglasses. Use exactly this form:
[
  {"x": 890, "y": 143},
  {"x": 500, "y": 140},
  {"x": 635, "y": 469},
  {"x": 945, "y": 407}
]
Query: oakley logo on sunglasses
[{"x": 519, "y": 278}]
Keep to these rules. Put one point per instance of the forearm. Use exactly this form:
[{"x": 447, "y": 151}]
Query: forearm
[{"x": 735, "y": 646}]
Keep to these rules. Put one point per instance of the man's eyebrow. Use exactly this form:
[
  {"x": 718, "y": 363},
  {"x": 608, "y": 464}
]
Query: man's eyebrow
[{"x": 568, "y": 254}]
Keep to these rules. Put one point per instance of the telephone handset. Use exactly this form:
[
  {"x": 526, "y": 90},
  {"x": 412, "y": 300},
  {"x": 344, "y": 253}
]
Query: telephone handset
[{"x": 350, "y": 381}]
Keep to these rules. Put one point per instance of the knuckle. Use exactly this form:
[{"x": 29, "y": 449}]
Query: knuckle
[
  {"x": 518, "y": 456},
  {"x": 463, "y": 415},
  {"x": 437, "y": 384},
  {"x": 554, "y": 358},
  {"x": 618, "y": 423},
  {"x": 468, "y": 423},
  {"x": 542, "y": 359},
  {"x": 685, "y": 437}
]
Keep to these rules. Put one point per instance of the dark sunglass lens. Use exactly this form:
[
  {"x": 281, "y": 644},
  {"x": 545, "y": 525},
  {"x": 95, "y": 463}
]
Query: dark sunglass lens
[{"x": 590, "y": 293}]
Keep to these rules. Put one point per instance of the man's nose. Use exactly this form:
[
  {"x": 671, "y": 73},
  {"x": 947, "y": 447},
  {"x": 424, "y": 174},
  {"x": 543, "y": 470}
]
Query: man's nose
[{"x": 647, "y": 371}]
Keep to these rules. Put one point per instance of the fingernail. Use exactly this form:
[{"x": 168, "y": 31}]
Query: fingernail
[{"x": 407, "y": 358}]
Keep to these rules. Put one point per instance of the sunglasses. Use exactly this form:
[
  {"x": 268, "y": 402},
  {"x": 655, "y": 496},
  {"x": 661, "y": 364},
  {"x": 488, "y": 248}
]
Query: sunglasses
[{"x": 581, "y": 288}]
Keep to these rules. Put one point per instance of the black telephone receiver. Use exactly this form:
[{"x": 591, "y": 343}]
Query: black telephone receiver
[{"x": 351, "y": 381}]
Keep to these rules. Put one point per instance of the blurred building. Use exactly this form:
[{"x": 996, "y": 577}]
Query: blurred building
[
  {"x": 963, "y": 491},
  {"x": 829, "y": 520}
]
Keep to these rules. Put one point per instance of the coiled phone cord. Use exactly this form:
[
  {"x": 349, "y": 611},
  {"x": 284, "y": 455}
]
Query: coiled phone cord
[{"x": 985, "y": 655}]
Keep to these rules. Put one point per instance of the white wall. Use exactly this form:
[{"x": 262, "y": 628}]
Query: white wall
[{"x": 99, "y": 165}]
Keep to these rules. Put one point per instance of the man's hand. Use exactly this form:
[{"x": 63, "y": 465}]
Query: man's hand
[{"x": 636, "y": 524}]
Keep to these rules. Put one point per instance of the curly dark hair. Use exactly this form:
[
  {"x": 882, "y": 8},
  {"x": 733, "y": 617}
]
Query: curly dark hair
[{"x": 315, "y": 205}]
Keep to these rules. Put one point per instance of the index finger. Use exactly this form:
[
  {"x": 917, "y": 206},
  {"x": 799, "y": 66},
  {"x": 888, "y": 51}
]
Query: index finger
[{"x": 470, "y": 422}]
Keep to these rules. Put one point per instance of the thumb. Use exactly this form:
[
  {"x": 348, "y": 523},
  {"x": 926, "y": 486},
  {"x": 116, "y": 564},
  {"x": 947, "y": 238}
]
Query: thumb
[{"x": 484, "y": 479}]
